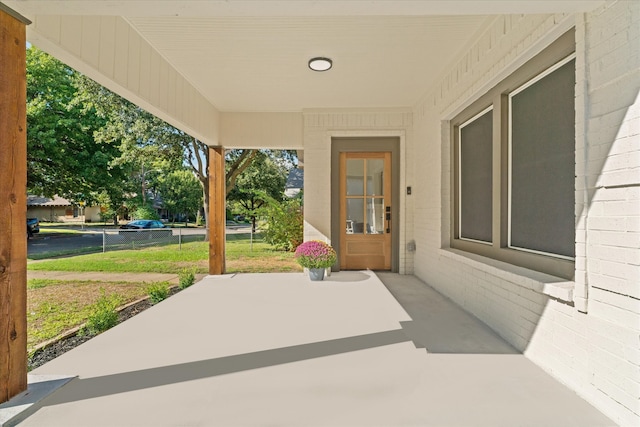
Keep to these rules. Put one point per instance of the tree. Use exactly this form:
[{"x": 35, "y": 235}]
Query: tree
[
  {"x": 148, "y": 146},
  {"x": 263, "y": 176},
  {"x": 62, "y": 155},
  {"x": 86, "y": 142},
  {"x": 181, "y": 193},
  {"x": 285, "y": 222}
]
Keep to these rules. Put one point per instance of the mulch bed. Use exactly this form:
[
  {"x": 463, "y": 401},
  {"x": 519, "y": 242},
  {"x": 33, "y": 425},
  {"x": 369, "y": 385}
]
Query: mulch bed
[{"x": 69, "y": 342}]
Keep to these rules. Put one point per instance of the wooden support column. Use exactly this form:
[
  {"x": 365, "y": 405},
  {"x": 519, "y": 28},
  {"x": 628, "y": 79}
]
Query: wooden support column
[
  {"x": 13, "y": 206},
  {"x": 217, "y": 210}
]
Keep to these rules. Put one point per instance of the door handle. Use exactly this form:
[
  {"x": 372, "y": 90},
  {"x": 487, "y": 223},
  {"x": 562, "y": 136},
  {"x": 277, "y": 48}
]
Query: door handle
[{"x": 388, "y": 218}]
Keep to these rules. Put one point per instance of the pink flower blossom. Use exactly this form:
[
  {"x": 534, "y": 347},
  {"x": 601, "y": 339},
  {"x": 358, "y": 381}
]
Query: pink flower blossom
[{"x": 315, "y": 254}]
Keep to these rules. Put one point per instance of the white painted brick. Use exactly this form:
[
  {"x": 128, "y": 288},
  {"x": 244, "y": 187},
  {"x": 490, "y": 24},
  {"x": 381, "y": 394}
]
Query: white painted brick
[
  {"x": 627, "y": 160},
  {"x": 632, "y": 223},
  {"x": 609, "y": 253},
  {"x": 620, "y": 208},
  {"x": 559, "y": 338},
  {"x": 619, "y": 239},
  {"x": 617, "y": 377},
  {"x": 615, "y": 315},
  {"x": 619, "y": 178},
  {"x": 632, "y": 354},
  {"x": 615, "y": 299},
  {"x": 593, "y": 266},
  {"x": 632, "y": 257},
  {"x": 609, "y": 223},
  {"x": 620, "y": 270},
  {"x": 625, "y": 144},
  {"x": 627, "y": 337},
  {"x": 613, "y": 284}
]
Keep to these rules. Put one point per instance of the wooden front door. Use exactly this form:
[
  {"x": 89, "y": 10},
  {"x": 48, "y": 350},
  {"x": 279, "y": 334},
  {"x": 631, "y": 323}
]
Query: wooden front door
[{"x": 365, "y": 211}]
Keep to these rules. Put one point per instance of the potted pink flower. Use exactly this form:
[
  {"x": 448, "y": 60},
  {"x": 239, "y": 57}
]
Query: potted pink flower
[{"x": 316, "y": 256}]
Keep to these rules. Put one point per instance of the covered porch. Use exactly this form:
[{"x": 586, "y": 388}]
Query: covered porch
[
  {"x": 408, "y": 78},
  {"x": 358, "y": 349}
]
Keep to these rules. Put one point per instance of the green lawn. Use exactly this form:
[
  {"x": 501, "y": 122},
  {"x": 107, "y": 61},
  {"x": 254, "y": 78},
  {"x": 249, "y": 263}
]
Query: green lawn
[
  {"x": 241, "y": 256},
  {"x": 55, "y": 306},
  {"x": 53, "y": 230}
]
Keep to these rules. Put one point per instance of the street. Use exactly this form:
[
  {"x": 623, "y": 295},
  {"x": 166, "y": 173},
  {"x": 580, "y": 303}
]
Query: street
[{"x": 91, "y": 240}]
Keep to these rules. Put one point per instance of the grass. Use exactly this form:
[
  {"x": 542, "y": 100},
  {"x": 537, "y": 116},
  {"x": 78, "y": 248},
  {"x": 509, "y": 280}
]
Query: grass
[
  {"x": 55, "y": 306},
  {"x": 68, "y": 252},
  {"x": 47, "y": 230},
  {"x": 241, "y": 257}
]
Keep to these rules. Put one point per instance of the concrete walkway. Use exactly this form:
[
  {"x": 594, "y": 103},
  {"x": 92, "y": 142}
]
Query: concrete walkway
[{"x": 277, "y": 349}]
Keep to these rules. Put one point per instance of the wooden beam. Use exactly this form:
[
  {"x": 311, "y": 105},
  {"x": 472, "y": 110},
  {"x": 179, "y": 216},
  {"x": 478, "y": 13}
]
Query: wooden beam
[
  {"x": 217, "y": 210},
  {"x": 13, "y": 207}
]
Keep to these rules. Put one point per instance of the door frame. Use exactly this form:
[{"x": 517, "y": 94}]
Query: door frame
[{"x": 366, "y": 144}]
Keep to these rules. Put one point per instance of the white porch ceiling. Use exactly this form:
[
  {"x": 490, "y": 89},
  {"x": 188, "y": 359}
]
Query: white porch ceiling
[
  {"x": 251, "y": 55},
  {"x": 260, "y": 63}
]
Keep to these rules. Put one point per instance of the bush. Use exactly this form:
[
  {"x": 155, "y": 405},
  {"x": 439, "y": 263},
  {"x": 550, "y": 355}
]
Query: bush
[
  {"x": 285, "y": 224},
  {"x": 186, "y": 278},
  {"x": 158, "y": 291},
  {"x": 104, "y": 314},
  {"x": 146, "y": 212}
]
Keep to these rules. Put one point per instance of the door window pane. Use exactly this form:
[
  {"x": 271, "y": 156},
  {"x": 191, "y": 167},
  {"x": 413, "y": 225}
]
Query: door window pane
[
  {"x": 375, "y": 176},
  {"x": 375, "y": 216},
  {"x": 355, "y": 177},
  {"x": 355, "y": 216}
]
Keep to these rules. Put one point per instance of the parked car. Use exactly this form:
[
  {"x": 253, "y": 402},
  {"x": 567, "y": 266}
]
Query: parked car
[
  {"x": 143, "y": 224},
  {"x": 145, "y": 229},
  {"x": 33, "y": 225}
]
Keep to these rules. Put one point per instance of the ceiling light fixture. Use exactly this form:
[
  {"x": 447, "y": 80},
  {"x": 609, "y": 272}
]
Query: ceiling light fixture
[{"x": 320, "y": 64}]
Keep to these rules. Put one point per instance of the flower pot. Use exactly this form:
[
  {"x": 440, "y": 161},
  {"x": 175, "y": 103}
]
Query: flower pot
[{"x": 316, "y": 274}]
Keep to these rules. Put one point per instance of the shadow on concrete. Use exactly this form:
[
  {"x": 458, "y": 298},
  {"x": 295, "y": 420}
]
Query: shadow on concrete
[
  {"x": 438, "y": 324},
  {"x": 89, "y": 388},
  {"x": 347, "y": 276}
]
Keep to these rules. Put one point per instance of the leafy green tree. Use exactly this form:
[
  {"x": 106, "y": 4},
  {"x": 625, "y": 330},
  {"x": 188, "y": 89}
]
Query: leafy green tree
[
  {"x": 148, "y": 147},
  {"x": 285, "y": 222},
  {"x": 263, "y": 176},
  {"x": 87, "y": 143},
  {"x": 181, "y": 193},
  {"x": 145, "y": 212},
  {"x": 63, "y": 157},
  {"x": 151, "y": 148}
]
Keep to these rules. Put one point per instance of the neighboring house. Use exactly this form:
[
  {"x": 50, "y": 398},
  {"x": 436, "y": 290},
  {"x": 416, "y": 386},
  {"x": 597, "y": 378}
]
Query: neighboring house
[
  {"x": 295, "y": 183},
  {"x": 490, "y": 147},
  {"x": 59, "y": 209}
]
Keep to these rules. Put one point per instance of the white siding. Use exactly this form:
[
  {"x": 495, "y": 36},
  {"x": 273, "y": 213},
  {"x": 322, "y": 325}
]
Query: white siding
[{"x": 109, "y": 51}]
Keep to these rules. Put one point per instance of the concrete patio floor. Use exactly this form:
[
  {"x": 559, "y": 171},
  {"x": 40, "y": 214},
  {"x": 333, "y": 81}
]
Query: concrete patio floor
[{"x": 279, "y": 350}]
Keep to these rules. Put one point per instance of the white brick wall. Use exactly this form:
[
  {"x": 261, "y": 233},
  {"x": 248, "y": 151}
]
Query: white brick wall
[
  {"x": 319, "y": 127},
  {"x": 593, "y": 344}
]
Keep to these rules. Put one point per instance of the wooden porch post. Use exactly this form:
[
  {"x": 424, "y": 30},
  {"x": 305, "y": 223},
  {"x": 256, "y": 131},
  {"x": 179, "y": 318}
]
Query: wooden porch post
[
  {"x": 217, "y": 210},
  {"x": 13, "y": 206}
]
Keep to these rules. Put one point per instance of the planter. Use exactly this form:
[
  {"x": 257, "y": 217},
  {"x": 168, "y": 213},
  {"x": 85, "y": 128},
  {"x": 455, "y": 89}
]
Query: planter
[{"x": 316, "y": 274}]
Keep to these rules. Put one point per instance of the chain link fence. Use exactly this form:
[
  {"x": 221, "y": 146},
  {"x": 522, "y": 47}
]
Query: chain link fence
[{"x": 113, "y": 240}]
